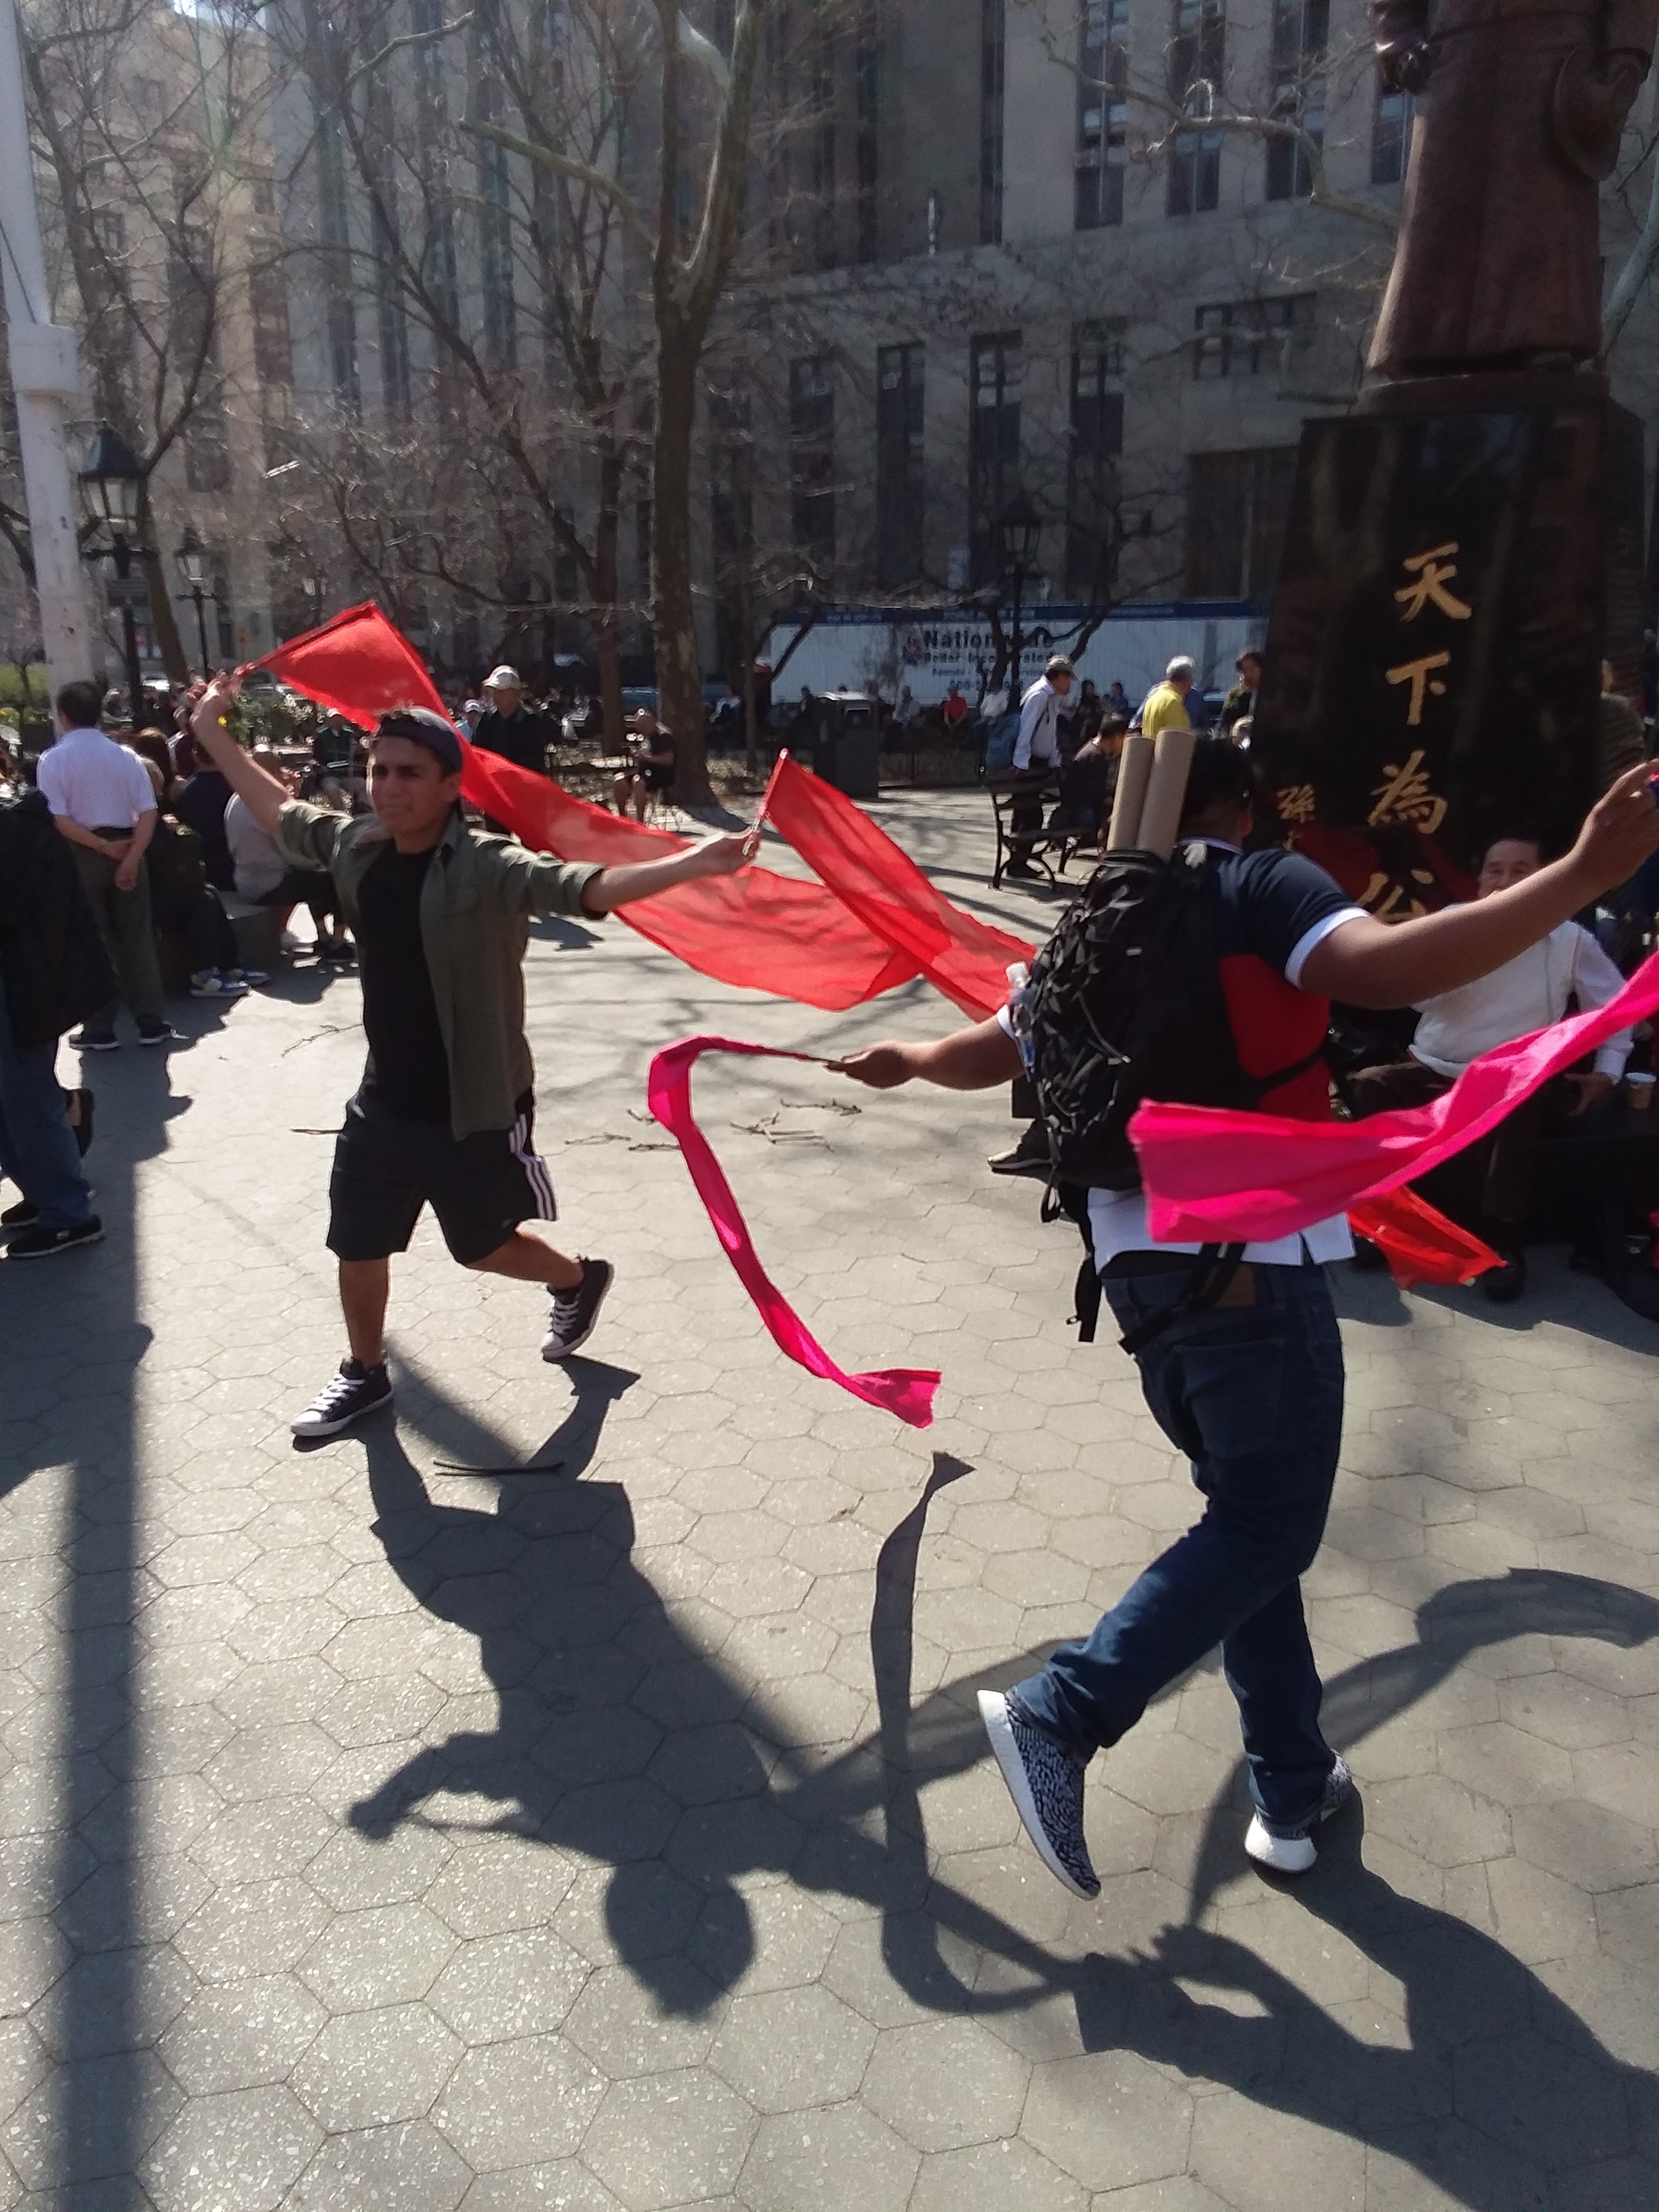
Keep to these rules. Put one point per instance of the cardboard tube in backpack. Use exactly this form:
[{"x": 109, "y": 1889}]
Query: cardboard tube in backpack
[
  {"x": 1166, "y": 794},
  {"x": 1135, "y": 768}
]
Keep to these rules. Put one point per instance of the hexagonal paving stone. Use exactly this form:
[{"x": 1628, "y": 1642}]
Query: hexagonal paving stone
[
  {"x": 254, "y": 2143},
  {"x": 787, "y": 2050},
  {"x": 1108, "y": 2119},
  {"x": 389, "y": 1955},
  {"x": 366, "y": 2070},
  {"x": 516, "y": 2104},
  {"x": 499, "y": 1987},
  {"x": 407, "y": 2168},
  {"x": 244, "y": 2035},
  {"x": 670, "y": 2139},
  {"x": 944, "y": 2084},
  {"x": 823, "y": 2161}
]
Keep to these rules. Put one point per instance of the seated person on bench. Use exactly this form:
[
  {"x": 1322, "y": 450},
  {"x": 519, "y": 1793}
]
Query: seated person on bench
[
  {"x": 650, "y": 763},
  {"x": 1527, "y": 993},
  {"x": 264, "y": 879},
  {"x": 1088, "y": 780}
]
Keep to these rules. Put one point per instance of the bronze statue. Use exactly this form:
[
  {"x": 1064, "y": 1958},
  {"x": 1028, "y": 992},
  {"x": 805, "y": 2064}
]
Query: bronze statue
[{"x": 1520, "y": 105}]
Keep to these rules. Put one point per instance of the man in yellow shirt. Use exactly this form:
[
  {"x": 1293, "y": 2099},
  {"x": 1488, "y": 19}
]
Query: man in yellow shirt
[{"x": 1165, "y": 706}]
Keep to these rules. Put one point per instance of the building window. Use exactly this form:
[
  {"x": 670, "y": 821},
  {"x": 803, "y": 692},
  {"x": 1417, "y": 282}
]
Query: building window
[
  {"x": 1194, "y": 173},
  {"x": 992, "y": 447},
  {"x": 1102, "y": 117},
  {"x": 1301, "y": 34},
  {"x": 1198, "y": 50},
  {"x": 1096, "y": 442},
  {"x": 992, "y": 44},
  {"x": 273, "y": 346},
  {"x": 1391, "y": 136},
  {"x": 812, "y": 460},
  {"x": 1251, "y": 337},
  {"x": 866, "y": 77},
  {"x": 1238, "y": 506},
  {"x": 899, "y": 499},
  {"x": 500, "y": 333}
]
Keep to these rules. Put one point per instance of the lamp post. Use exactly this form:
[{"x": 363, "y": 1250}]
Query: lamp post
[
  {"x": 111, "y": 493},
  {"x": 316, "y": 590},
  {"x": 1019, "y": 528},
  {"x": 192, "y": 567}
]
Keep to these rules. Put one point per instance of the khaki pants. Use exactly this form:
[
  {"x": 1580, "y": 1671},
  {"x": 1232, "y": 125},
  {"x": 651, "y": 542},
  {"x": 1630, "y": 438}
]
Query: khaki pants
[{"x": 124, "y": 920}]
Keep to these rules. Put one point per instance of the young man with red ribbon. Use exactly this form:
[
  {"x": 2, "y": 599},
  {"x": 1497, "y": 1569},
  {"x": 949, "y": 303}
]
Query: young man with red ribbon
[
  {"x": 445, "y": 1114},
  {"x": 1251, "y": 1390}
]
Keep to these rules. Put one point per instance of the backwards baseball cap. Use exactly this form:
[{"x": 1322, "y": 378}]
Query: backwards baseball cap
[
  {"x": 422, "y": 727},
  {"x": 1058, "y": 665},
  {"x": 504, "y": 678}
]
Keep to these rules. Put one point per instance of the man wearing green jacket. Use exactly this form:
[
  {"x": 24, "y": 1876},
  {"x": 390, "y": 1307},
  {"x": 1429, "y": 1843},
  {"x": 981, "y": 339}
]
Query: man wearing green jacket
[{"x": 445, "y": 1114}]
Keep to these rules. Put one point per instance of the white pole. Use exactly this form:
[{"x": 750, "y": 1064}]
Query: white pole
[{"x": 46, "y": 380}]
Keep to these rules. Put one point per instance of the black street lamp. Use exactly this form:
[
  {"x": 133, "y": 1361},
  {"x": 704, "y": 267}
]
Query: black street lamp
[
  {"x": 316, "y": 590},
  {"x": 192, "y": 567},
  {"x": 112, "y": 494},
  {"x": 1020, "y": 530}
]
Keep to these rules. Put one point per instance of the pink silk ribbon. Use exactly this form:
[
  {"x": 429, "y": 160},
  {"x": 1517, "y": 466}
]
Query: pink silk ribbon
[
  {"x": 1224, "y": 1177},
  {"x": 906, "y": 1391}
]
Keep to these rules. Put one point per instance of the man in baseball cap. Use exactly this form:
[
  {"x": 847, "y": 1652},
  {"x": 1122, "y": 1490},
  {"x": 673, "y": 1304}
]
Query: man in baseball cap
[
  {"x": 510, "y": 728},
  {"x": 445, "y": 1114}
]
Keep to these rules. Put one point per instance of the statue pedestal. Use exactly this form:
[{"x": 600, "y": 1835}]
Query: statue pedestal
[{"x": 1462, "y": 554}]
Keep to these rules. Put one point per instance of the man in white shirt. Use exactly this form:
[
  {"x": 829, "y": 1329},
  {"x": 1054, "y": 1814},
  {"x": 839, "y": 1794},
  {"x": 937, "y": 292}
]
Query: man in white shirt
[
  {"x": 1528, "y": 992},
  {"x": 103, "y": 802},
  {"x": 1037, "y": 755}
]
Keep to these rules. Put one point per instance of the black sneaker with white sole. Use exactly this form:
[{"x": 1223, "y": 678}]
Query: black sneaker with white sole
[
  {"x": 1287, "y": 1847},
  {"x": 42, "y": 1243},
  {"x": 155, "y": 1033},
  {"x": 95, "y": 1040},
  {"x": 1045, "y": 1781},
  {"x": 23, "y": 1215},
  {"x": 354, "y": 1391},
  {"x": 575, "y": 1311}
]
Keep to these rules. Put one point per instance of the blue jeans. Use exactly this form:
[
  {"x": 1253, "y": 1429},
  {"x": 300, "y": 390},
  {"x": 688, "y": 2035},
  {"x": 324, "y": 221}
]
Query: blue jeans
[
  {"x": 1253, "y": 1394},
  {"x": 37, "y": 1150}
]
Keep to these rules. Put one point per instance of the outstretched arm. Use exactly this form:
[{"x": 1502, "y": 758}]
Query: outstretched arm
[
  {"x": 969, "y": 1060},
  {"x": 644, "y": 879},
  {"x": 1368, "y": 963},
  {"x": 262, "y": 795}
]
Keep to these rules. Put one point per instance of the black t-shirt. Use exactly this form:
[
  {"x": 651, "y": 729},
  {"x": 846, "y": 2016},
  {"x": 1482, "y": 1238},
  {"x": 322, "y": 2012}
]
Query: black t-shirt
[
  {"x": 199, "y": 803},
  {"x": 522, "y": 737},
  {"x": 407, "y": 1069}
]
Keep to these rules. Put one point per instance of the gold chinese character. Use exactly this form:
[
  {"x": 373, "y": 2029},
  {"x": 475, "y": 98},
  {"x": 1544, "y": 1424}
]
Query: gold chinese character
[
  {"x": 1420, "y": 675},
  {"x": 1388, "y": 910},
  {"x": 1296, "y": 802},
  {"x": 1432, "y": 573},
  {"x": 1406, "y": 797}
]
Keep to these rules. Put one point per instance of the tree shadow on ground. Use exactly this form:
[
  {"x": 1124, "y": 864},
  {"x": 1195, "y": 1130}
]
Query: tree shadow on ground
[{"x": 621, "y": 1739}]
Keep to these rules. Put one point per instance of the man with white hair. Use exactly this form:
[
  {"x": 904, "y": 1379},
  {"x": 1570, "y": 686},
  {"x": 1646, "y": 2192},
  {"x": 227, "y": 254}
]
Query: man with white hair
[
  {"x": 1165, "y": 706},
  {"x": 1037, "y": 755},
  {"x": 509, "y": 728}
]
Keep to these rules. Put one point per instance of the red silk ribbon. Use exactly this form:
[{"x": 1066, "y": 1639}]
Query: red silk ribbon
[
  {"x": 1215, "y": 1176},
  {"x": 906, "y": 1391}
]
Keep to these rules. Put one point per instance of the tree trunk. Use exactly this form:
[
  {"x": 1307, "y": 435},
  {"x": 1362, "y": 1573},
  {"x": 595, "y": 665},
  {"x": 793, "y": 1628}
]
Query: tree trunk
[
  {"x": 607, "y": 641},
  {"x": 162, "y": 623},
  {"x": 679, "y": 682}
]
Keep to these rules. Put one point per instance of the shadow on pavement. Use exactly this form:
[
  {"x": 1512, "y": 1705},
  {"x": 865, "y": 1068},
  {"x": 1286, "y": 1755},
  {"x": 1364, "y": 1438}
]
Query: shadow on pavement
[{"x": 620, "y": 1739}]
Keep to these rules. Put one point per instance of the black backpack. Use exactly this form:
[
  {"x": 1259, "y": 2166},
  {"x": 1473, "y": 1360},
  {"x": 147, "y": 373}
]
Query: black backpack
[{"x": 1125, "y": 1002}]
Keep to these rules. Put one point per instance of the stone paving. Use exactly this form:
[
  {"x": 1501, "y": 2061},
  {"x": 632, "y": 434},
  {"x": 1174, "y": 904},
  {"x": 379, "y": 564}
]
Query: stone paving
[{"x": 384, "y": 1826}]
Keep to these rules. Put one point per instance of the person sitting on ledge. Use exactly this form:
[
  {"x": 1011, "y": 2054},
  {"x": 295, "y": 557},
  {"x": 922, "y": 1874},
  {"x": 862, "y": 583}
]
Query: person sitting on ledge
[{"x": 1527, "y": 993}]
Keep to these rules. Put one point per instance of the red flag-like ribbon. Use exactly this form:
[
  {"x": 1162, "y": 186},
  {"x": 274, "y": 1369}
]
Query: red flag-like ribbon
[
  {"x": 906, "y": 1391},
  {"x": 1220, "y": 1177}
]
